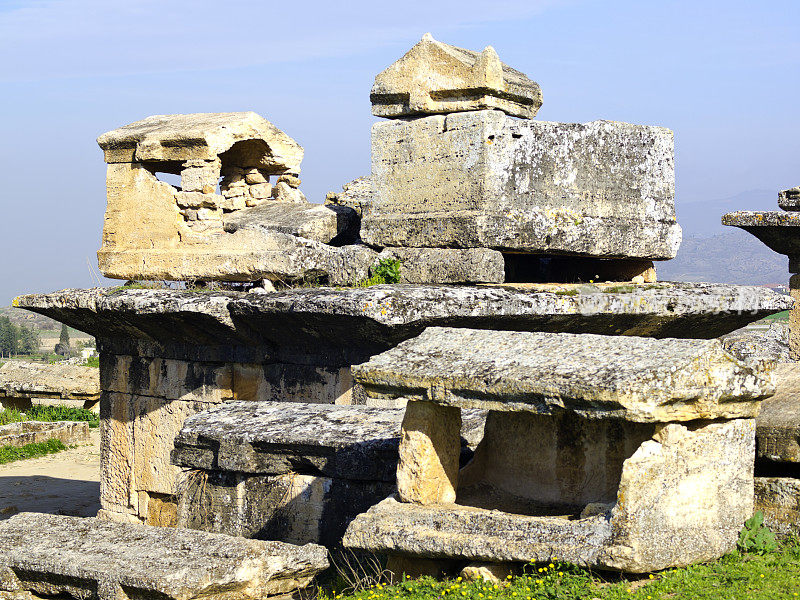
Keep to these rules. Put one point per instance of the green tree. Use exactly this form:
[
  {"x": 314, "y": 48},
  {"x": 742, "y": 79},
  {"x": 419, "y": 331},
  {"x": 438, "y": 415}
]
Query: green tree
[{"x": 62, "y": 347}]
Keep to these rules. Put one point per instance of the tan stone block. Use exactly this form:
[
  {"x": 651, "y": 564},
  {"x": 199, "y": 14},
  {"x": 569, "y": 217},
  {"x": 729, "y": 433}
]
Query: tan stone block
[
  {"x": 117, "y": 477},
  {"x": 198, "y": 200},
  {"x": 248, "y": 382},
  {"x": 282, "y": 192},
  {"x": 794, "y": 317},
  {"x": 162, "y": 510},
  {"x": 255, "y": 176},
  {"x": 157, "y": 423},
  {"x": 429, "y": 452},
  {"x": 198, "y": 175},
  {"x": 290, "y": 180},
  {"x": 260, "y": 191}
]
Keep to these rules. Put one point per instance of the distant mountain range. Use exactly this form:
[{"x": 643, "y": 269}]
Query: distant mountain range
[{"x": 715, "y": 253}]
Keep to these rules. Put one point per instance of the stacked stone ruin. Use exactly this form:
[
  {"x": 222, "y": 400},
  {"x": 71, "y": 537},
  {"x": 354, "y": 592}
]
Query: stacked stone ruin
[
  {"x": 778, "y": 433},
  {"x": 528, "y": 314}
]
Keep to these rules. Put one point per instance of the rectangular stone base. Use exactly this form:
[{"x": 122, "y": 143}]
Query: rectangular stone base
[
  {"x": 36, "y": 432},
  {"x": 779, "y": 499}
]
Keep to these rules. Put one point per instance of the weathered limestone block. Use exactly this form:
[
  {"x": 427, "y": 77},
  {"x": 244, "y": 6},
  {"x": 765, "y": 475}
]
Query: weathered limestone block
[
  {"x": 778, "y": 423},
  {"x": 639, "y": 379},
  {"x": 778, "y": 498},
  {"x": 200, "y": 175},
  {"x": 429, "y": 451},
  {"x": 484, "y": 179},
  {"x": 273, "y": 438},
  {"x": 36, "y": 432},
  {"x": 292, "y": 507},
  {"x": 356, "y": 194},
  {"x": 448, "y": 265},
  {"x": 86, "y": 558},
  {"x": 485, "y": 571},
  {"x": 137, "y": 436},
  {"x": 772, "y": 344},
  {"x": 283, "y": 192},
  {"x": 311, "y": 221},
  {"x": 245, "y": 136},
  {"x": 434, "y": 77},
  {"x": 25, "y": 380},
  {"x": 789, "y": 199},
  {"x": 794, "y": 316},
  {"x": 682, "y": 498}
]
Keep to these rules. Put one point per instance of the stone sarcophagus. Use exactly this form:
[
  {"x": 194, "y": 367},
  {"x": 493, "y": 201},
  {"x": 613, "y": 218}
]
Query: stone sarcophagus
[{"x": 619, "y": 453}]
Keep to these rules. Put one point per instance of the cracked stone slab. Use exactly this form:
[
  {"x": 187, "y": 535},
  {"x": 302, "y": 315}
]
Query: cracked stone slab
[
  {"x": 54, "y": 554},
  {"x": 778, "y": 423},
  {"x": 633, "y": 378},
  {"x": 347, "y": 326},
  {"x": 483, "y": 179},
  {"x": 448, "y": 265},
  {"x": 273, "y": 438},
  {"x": 22, "y": 379},
  {"x": 434, "y": 77},
  {"x": 36, "y": 432}
]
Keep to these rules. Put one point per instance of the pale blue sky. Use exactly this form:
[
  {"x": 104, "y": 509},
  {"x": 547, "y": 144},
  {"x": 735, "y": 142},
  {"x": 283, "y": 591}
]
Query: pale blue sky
[{"x": 725, "y": 76}]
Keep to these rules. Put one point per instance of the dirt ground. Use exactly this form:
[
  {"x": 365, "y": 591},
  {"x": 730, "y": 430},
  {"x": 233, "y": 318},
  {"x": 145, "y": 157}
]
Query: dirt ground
[{"x": 66, "y": 483}]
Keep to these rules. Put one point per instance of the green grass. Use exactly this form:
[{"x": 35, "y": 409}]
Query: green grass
[
  {"x": 11, "y": 453},
  {"x": 737, "y": 576},
  {"x": 781, "y": 316},
  {"x": 49, "y": 413}
]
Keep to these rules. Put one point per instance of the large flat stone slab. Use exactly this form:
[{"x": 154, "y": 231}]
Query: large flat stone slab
[
  {"x": 327, "y": 326},
  {"x": 273, "y": 438},
  {"x": 21, "y": 379},
  {"x": 201, "y": 136},
  {"x": 633, "y": 378},
  {"x": 778, "y": 424},
  {"x": 311, "y": 221},
  {"x": 484, "y": 179},
  {"x": 434, "y": 77},
  {"x": 85, "y": 558}
]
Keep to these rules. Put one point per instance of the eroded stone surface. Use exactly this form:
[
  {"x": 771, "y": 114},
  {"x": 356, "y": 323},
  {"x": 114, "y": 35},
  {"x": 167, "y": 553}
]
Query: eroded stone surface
[
  {"x": 772, "y": 344},
  {"x": 778, "y": 430},
  {"x": 483, "y": 179},
  {"x": 341, "y": 327},
  {"x": 778, "y": 498},
  {"x": 311, "y": 221},
  {"x": 638, "y": 379},
  {"x": 682, "y": 498},
  {"x": 272, "y": 438},
  {"x": 447, "y": 265},
  {"x": 356, "y": 194},
  {"x": 21, "y": 379},
  {"x": 203, "y": 136},
  {"x": 292, "y": 507},
  {"x": 52, "y": 554},
  {"x": 434, "y": 77},
  {"x": 429, "y": 451}
]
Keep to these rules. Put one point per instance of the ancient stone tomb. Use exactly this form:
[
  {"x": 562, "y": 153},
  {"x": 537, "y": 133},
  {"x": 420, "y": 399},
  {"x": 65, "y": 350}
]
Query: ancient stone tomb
[{"x": 614, "y": 452}]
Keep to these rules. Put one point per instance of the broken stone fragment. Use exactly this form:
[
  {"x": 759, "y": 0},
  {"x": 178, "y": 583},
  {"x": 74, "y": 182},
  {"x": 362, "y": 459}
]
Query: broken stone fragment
[
  {"x": 283, "y": 192},
  {"x": 290, "y": 180},
  {"x": 434, "y": 77},
  {"x": 81, "y": 558},
  {"x": 356, "y": 194},
  {"x": 486, "y": 571},
  {"x": 199, "y": 200},
  {"x": 311, "y": 221},
  {"x": 778, "y": 498},
  {"x": 200, "y": 175},
  {"x": 486, "y": 180},
  {"x": 447, "y": 265},
  {"x": 789, "y": 199},
  {"x": 22, "y": 379},
  {"x": 638, "y": 379},
  {"x": 253, "y": 176},
  {"x": 260, "y": 191}
]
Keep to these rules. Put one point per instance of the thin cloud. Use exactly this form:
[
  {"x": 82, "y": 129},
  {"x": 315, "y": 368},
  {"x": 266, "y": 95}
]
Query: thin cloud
[{"x": 85, "y": 38}]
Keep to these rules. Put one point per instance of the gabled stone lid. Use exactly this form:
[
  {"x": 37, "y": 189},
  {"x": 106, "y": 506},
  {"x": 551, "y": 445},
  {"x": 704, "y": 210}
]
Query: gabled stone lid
[
  {"x": 597, "y": 376},
  {"x": 204, "y": 136},
  {"x": 434, "y": 77}
]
